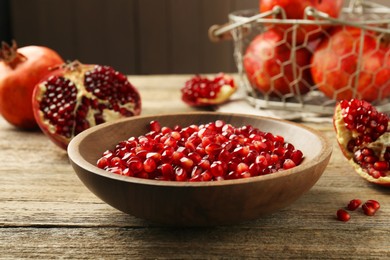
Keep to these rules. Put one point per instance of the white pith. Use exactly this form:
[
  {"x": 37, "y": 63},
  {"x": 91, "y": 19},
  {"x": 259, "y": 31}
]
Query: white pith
[{"x": 224, "y": 93}]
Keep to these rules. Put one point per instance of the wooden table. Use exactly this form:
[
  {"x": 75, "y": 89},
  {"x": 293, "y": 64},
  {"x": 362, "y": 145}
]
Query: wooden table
[{"x": 46, "y": 212}]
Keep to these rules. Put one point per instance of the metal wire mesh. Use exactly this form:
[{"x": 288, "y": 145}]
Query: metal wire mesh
[{"x": 305, "y": 94}]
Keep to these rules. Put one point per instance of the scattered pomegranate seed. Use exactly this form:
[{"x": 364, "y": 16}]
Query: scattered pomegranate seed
[
  {"x": 209, "y": 152},
  {"x": 354, "y": 204},
  {"x": 370, "y": 207},
  {"x": 373, "y": 203},
  {"x": 343, "y": 215}
]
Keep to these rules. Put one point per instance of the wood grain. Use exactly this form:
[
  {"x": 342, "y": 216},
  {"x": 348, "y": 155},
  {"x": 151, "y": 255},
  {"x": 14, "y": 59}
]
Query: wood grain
[{"x": 46, "y": 212}]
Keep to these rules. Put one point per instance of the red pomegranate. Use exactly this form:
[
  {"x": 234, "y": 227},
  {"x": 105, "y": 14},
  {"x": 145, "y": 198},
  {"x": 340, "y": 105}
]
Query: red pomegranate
[
  {"x": 270, "y": 68},
  {"x": 78, "y": 96},
  {"x": 363, "y": 134},
  {"x": 295, "y": 9},
  {"x": 20, "y": 70},
  {"x": 336, "y": 62},
  {"x": 202, "y": 91}
]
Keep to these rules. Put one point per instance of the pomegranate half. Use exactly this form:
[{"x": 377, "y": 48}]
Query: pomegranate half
[
  {"x": 364, "y": 137},
  {"x": 77, "y": 96}
]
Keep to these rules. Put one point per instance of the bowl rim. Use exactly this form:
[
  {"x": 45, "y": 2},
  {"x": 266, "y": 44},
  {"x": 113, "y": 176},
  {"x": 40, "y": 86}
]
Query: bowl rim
[{"x": 77, "y": 159}]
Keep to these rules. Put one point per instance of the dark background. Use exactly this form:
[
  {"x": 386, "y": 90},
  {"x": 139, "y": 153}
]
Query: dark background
[{"x": 133, "y": 36}]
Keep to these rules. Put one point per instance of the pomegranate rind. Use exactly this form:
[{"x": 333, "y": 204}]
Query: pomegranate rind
[
  {"x": 344, "y": 135},
  {"x": 223, "y": 95}
]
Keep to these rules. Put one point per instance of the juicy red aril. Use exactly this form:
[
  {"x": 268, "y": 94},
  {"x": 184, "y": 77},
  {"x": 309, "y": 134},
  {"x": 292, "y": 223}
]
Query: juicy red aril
[
  {"x": 343, "y": 215},
  {"x": 208, "y": 152},
  {"x": 370, "y": 207},
  {"x": 354, "y": 204}
]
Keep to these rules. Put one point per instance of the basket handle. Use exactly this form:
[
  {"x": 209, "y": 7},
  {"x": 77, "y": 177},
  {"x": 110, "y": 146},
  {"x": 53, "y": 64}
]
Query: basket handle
[{"x": 218, "y": 33}]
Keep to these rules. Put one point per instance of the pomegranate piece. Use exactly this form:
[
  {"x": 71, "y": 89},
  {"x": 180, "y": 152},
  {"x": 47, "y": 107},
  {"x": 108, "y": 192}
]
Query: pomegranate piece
[
  {"x": 202, "y": 91},
  {"x": 363, "y": 135},
  {"x": 209, "y": 152},
  {"x": 77, "y": 96},
  {"x": 343, "y": 215}
]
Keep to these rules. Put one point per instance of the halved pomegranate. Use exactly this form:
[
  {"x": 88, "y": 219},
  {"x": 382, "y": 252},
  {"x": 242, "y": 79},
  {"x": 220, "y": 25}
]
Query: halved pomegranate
[
  {"x": 77, "y": 96},
  {"x": 202, "y": 91},
  {"x": 364, "y": 137}
]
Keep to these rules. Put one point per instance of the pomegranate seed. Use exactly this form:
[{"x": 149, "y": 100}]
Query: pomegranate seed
[
  {"x": 166, "y": 170},
  {"x": 181, "y": 174},
  {"x": 135, "y": 165},
  {"x": 186, "y": 163},
  {"x": 375, "y": 204},
  {"x": 102, "y": 163},
  {"x": 343, "y": 215},
  {"x": 288, "y": 164},
  {"x": 354, "y": 204},
  {"x": 149, "y": 165},
  {"x": 217, "y": 168},
  {"x": 370, "y": 207},
  {"x": 155, "y": 126},
  {"x": 206, "y": 176}
]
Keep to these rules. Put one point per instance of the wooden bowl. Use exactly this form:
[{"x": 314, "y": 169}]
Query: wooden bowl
[{"x": 198, "y": 203}]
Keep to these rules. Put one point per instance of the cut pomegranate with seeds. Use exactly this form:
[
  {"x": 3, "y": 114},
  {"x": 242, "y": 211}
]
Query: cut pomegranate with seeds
[
  {"x": 77, "y": 96},
  {"x": 202, "y": 91},
  {"x": 209, "y": 152},
  {"x": 363, "y": 135},
  {"x": 343, "y": 215}
]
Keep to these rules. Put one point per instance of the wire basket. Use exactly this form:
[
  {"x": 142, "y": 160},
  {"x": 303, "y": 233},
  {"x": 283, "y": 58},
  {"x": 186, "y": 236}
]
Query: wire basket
[{"x": 302, "y": 93}]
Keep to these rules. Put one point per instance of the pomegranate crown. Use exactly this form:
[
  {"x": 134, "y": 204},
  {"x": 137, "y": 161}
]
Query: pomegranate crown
[
  {"x": 68, "y": 65},
  {"x": 9, "y": 53}
]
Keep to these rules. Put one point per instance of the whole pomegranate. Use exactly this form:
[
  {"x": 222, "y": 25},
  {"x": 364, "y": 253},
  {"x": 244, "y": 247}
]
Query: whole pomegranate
[
  {"x": 271, "y": 69},
  {"x": 337, "y": 62},
  {"x": 363, "y": 134},
  {"x": 77, "y": 96},
  {"x": 295, "y": 9},
  {"x": 202, "y": 91},
  {"x": 20, "y": 70}
]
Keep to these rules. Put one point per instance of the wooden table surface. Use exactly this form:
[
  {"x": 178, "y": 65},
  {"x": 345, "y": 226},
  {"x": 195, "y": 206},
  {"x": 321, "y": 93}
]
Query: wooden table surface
[{"x": 46, "y": 212}]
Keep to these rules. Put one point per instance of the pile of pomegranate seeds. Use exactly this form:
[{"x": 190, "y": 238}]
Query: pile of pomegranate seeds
[
  {"x": 369, "y": 208},
  {"x": 209, "y": 152}
]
